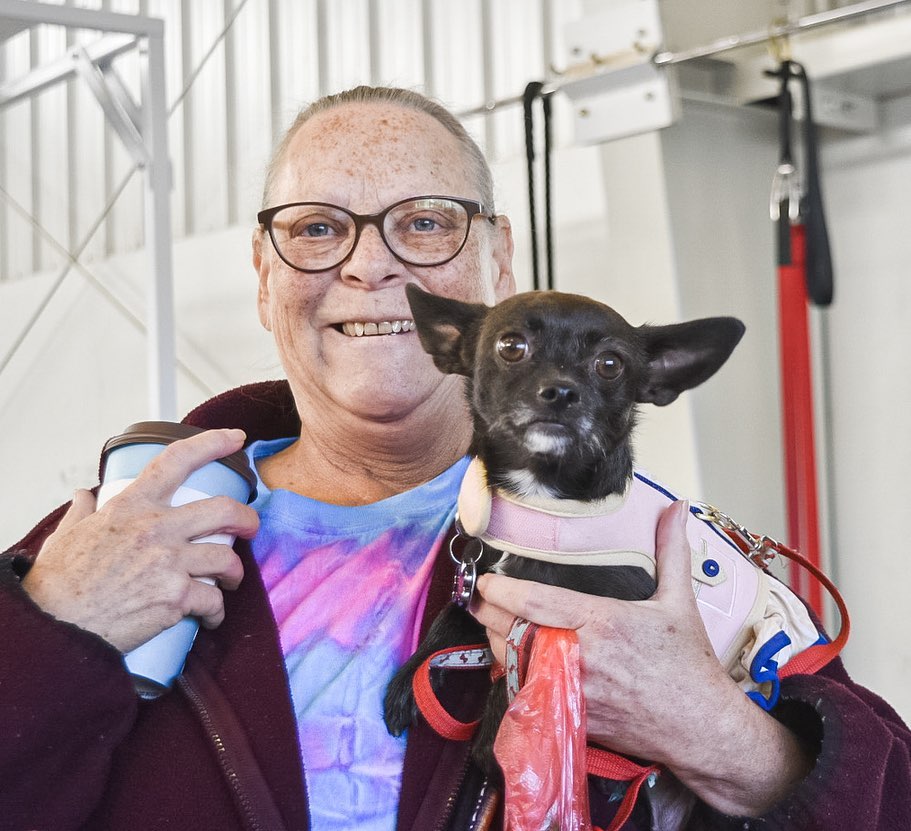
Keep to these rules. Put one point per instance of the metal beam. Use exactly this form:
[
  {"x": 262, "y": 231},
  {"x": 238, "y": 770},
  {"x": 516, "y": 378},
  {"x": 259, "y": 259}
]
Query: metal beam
[
  {"x": 28, "y": 13},
  {"x": 800, "y": 27},
  {"x": 123, "y": 124},
  {"x": 161, "y": 348},
  {"x": 52, "y": 73}
]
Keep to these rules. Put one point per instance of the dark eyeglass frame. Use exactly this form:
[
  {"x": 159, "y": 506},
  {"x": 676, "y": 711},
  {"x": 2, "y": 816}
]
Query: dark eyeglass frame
[{"x": 472, "y": 208}]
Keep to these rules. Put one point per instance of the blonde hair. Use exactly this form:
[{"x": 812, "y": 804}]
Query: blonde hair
[{"x": 393, "y": 95}]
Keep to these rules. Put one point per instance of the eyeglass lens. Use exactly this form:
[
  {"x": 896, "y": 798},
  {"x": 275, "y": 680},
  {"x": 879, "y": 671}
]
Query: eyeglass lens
[{"x": 423, "y": 231}]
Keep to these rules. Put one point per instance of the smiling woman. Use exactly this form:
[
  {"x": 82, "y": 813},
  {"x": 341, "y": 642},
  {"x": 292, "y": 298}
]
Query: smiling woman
[{"x": 346, "y": 194}]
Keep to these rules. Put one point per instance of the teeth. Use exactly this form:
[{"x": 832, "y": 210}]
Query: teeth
[{"x": 387, "y": 327}]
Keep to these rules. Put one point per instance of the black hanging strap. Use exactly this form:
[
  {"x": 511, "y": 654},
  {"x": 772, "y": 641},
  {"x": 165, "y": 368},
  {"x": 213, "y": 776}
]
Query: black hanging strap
[
  {"x": 548, "y": 226},
  {"x": 533, "y": 91},
  {"x": 820, "y": 277},
  {"x": 819, "y": 271}
]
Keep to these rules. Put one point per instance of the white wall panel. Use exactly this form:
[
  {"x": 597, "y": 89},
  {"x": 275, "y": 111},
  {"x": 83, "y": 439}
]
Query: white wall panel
[
  {"x": 85, "y": 150},
  {"x": 297, "y": 63},
  {"x": 17, "y": 171},
  {"x": 50, "y": 180},
  {"x": 399, "y": 61},
  {"x": 251, "y": 109}
]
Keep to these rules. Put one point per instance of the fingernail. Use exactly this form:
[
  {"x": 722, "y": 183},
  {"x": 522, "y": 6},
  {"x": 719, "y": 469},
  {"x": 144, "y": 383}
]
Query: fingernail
[{"x": 684, "y": 512}]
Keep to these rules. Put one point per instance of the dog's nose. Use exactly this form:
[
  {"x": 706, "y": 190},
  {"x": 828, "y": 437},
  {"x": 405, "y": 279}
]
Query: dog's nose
[{"x": 558, "y": 394}]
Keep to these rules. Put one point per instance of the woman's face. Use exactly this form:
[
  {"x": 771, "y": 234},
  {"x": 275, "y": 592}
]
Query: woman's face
[{"x": 365, "y": 157}]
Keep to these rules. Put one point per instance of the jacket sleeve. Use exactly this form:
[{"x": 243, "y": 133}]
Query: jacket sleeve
[
  {"x": 862, "y": 775},
  {"x": 66, "y": 702}
]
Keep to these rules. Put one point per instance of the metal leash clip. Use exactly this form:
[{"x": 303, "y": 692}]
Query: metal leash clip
[
  {"x": 758, "y": 550},
  {"x": 467, "y": 574}
]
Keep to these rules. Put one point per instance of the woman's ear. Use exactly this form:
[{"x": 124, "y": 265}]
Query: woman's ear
[
  {"x": 504, "y": 280},
  {"x": 262, "y": 270}
]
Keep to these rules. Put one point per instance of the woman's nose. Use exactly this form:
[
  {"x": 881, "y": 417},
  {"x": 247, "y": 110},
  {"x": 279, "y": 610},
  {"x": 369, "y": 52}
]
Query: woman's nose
[{"x": 371, "y": 261}]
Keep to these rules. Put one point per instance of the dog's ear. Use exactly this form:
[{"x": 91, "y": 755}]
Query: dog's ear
[
  {"x": 683, "y": 355},
  {"x": 447, "y": 329}
]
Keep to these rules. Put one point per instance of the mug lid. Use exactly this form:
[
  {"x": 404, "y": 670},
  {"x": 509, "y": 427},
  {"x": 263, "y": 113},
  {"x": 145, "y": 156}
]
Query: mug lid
[{"x": 166, "y": 432}]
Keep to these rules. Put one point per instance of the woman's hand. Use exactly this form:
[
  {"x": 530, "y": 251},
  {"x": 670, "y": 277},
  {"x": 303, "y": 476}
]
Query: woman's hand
[
  {"x": 653, "y": 686},
  {"x": 125, "y": 572}
]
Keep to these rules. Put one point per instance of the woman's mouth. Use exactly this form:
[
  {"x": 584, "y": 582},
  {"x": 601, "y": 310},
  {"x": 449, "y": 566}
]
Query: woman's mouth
[{"x": 356, "y": 329}]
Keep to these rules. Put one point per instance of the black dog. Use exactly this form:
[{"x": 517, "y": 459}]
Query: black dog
[{"x": 553, "y": 384}]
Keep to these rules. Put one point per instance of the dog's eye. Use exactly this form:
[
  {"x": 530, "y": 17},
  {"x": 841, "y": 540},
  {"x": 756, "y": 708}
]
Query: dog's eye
[
  {"x": 512, "y": 347},
  {"x": 609, "y": 365}
]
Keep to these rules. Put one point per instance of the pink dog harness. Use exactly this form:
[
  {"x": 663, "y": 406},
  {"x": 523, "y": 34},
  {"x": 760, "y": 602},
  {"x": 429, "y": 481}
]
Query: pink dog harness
[{"x": 755, "y": 623}]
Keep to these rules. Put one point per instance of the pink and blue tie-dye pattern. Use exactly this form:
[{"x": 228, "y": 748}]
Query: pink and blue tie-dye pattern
[{"x": 347, "y": 587}]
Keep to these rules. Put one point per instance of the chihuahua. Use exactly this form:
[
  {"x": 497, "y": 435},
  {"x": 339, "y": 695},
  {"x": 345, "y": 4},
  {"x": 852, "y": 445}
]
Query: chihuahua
[{"x": 553, "y": 385}]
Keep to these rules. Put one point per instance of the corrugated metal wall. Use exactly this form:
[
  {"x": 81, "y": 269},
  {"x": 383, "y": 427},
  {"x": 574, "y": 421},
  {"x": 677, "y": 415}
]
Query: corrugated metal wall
[{"x": 238, "y": 71}]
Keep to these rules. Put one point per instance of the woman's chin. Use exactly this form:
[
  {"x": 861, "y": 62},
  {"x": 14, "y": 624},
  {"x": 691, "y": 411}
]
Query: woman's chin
[{"x": 386, "y": 400}]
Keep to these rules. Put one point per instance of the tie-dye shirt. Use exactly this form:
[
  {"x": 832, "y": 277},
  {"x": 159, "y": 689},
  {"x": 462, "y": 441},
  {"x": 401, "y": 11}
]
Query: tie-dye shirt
[{"x": 348, "y": 587}]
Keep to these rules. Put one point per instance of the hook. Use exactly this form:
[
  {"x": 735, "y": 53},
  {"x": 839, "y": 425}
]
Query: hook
[{"x": 779, "y": 44}]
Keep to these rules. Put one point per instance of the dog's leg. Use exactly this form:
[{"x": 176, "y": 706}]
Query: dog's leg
[
  {"x": 453, "y": 627},
  {"x": 494, "y": 710}
]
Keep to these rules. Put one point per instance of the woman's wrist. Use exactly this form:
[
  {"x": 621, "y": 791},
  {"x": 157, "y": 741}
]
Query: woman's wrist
[{"x": 746, "y": 763}]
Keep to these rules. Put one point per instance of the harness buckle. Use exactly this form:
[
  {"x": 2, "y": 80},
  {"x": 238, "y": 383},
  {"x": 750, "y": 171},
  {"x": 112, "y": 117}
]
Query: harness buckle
[{"x": 759, "y": 550}]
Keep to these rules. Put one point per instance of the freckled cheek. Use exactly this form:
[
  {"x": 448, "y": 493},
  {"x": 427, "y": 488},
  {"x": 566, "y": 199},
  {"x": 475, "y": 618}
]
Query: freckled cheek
[
  {"x": 466, "y": 278},
  {"x": 291, "y": 312}
]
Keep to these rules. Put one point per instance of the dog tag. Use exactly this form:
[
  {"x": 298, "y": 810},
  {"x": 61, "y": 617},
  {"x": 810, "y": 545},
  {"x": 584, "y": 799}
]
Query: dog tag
[{"x": 463, "y": 585}]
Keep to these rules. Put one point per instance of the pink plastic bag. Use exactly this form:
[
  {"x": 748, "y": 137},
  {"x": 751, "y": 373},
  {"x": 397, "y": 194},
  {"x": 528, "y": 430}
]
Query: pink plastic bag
[{"x": 541, "y": 742}]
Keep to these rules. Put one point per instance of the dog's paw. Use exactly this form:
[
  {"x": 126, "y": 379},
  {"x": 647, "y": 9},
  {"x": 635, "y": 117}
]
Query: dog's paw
[{"x": 399, "y": 708}]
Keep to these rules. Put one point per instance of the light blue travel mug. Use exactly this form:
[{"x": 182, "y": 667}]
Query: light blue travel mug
[{"x": 155, "y": 664}]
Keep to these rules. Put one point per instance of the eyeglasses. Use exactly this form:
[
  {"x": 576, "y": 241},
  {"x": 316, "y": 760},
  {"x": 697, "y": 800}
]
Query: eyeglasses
[{"x": 421, "y": 230}]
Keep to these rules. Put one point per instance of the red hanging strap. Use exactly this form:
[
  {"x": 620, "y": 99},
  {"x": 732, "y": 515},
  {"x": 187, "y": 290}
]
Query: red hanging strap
[
  {"x": 608, "y": 765},
  {"x": 814, "y": 658}
]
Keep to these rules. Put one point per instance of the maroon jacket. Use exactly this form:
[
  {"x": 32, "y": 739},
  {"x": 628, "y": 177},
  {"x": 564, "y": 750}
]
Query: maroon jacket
[{"x": 78, "y": 750}]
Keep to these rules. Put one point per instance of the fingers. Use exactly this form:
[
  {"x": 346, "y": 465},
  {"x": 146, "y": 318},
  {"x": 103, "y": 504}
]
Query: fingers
[
  {"x": 167, "y": 471},
  {"x": 83, "y": 505},
  {"x": 494, "y": 618},
  {"x": 206, "y": 602},
  {"x": 217, "y": 515},
  {"x": 215, "y": 561},
  {"x": 674, "y": 560},
  {"x": 537, "y": 602}
]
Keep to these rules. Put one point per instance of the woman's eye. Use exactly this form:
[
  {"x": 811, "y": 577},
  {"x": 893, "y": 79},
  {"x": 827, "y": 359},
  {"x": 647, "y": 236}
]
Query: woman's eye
[
  {"x": 315, "y": 229},
  {"x": 424, "y": 224},
  {"x": 609, "y": 365},
  {"x": 512, "y": 347}
]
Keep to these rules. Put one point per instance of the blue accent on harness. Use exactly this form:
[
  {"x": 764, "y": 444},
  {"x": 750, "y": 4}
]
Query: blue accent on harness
[
  {"x": 695, "y": 511},
  {"x": 710, "y": 568},
  {"x": 765, "y": 669}
]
